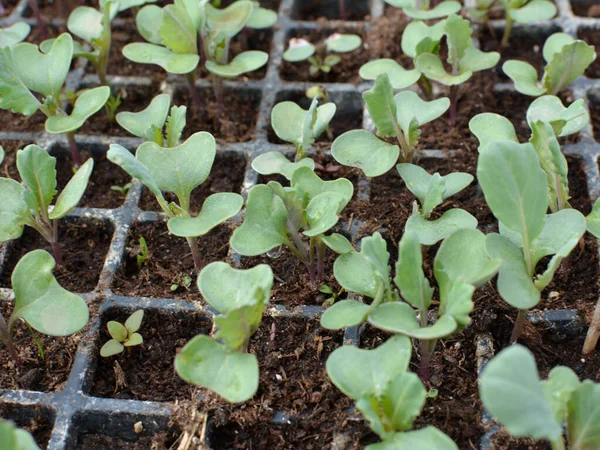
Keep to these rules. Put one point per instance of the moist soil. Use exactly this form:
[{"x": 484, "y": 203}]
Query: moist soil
[
  {"x": 48, "y": 374},
  {"x": 226, "y": 175},
  {"x": 385, "y": 36},
  {"x": 291, "y": 355},
  {"x": 330, "y": 9},
  {"x": 8, "y": 6},
  {"x": 34, "y": 419},
  {"x": 146, "y": 372},
  {"x": 346, "y": 71},
  {"x": 159, "y": 441},
  {"x": 592, "y": 37},
  {"x": 84, "y": 245},
  {"x": 169, "y": 272},
  {"x": 585, "y": 8},
  {"x": 238, "y": 120},
  {"x": 19, "y": 123}
]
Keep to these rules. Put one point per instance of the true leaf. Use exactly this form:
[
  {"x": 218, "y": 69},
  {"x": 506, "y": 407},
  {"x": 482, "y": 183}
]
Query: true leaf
[
  {"x": 568, "y": 64},
  {"x": 14, "y": 212},
  {"x": 73, "y": 191},
  {"x": 564, "y": 121},
  {"x": 583, "y": 416},
  {"x": 134, "y": 321},
  {"x": 38, "y": 172},
  {"x": 410, "y": 278}
]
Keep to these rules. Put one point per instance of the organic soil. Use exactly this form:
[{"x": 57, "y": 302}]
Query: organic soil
[
  {"x": 9, "y": 6},
  {"x": 227, "y": 175},
  {"x": 169, "y": 272},
  {"x": 591, "y": 37},
  {"x": 330, "y": 9},
  {"x": 585, "y": 8},
  {"x": 159, "y": 441},
  {"x": 595, "y": 116},
  {"x": 36, "y": 420},
  {"x": 384, "y": 37},
  {"x": 49, "y": 374},
  {"x": 8, "y": 167},
  {"x": 291, "y": 355},
  {"x": 238, "y": 121},
  {"x": 146, "y": 372},
  {"x": 346, "y": 71},
  {"x": 19, "y": 123}
]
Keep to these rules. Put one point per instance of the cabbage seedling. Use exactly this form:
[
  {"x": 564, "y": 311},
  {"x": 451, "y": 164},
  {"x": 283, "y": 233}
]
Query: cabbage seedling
[
  {"x": 225, "y": 366},
  {"x": 28, "y": 203},
  {"x": 41, "y": 302},
  {"x": 123, "y": 335},
  {"x": 180, "y": 170},
  {"x": 398, "y": 116},
  {"x": 388, "y": 396},
  {"x": 25, "y": 70},
  {"x": 566, "y": 59},
  {"x": 297, "y": 126},
  {"x": 511, "y": 390},
  {"x": 461, "y": 265},
  {"x": 320, "y": 93},
  {"x": 14, "y": 438},
  {"x": 322, "y": 57},
  {"x": 14, "y": 34},
  {"x": 463, "y": 57},
  {"x": 421, "y": 9},
  {"x": 516, "y": 191},
  {"x": 431, "y": 191},
  {"x": 143, "y": 253},
  {"x": 277, "y": 215}
]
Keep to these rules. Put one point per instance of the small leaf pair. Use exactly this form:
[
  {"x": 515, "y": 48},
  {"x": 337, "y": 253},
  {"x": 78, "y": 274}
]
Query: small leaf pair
[
  {"x": 421, "y": 10},
  {"x": 123, "y": 335}
]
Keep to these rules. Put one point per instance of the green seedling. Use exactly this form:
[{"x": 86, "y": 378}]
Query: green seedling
[
  {"x": 111, "y": 106},
  {"x": 14, "y": 34},
  {"x": 13, "y": 438},
  {"x": 121, "y": 189},
  {"x": 224, "y": 365},
  {"x": 279, "y": 216},
  {"x": 40, "y": 302},
  {"x": 421, "y": 9},
  {"x": 260, "y": 18},
  {"x": 25, "y": 70},
  {"x": 398, "y": 116},
  {"x": 323, "y": 56},
  {"x": 516, "y": 190},
  {"x": 417, "y": 38},
  {"x": 320, "y": 93},
  {"x": 511, "y": 390},
  {"x": 333, "y": 296},
  {"x": 431, "y": 191},
  {"x": 566, "y": 59},
  {"x": 180, "y": 170},
  {"x": 461, "y": 265},
  {"x": 463, "y": 58},
  {"x": 143, "y": 255},
  {"x": 297, "y": 126},
  {"x": 388, "y": 396},
  {"x": 123, "y": 335},
  {"x": 28, "y": 203},
  {"x": 184, "y": 281}
]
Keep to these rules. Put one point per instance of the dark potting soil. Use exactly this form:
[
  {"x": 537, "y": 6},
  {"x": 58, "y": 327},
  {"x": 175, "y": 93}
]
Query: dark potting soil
[
  {"x": 385, "y": 36},
  {"x": 595, "y": 116},
  {"x": 8, "y": 6},
  {"x": 55, "y": 9},
  {"x": 159, "y": 441},
  {"x": 169, "y": 273},
  {"x": 330, "y": 9},
  {"x": 34, "y": 419},
  {"x": 227, "y": 175},
  {"x": 592, "y": 37},
  {"x": 146, "y": 372},
  {"x": 8, "y": 167},
  {"x": 19, "y": 123},
  {"x": 238, "y": 120},
  {"x": 84, "y": 245},
  {"x": 48, "y": 374},
  {"x": 585, "y": 8},
  {"x": 52, "y": 31},
  {"x": 291, "y": 355},
  {"x": 346, "y": 71}
]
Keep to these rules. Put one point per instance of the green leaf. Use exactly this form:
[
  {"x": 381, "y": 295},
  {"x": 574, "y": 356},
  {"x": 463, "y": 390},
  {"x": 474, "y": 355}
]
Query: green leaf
[
  {"x": 175, "y": 125},
  {"x": 400, "y": 318},
  {"x": 432, "y": 67},
  {"x": 264, "y": 226},
  {"x": 592, "y": 220},
  {"x": 73, "y": 191},
  {"x": 443, "y": 9},
  {"x": 126, "y": 4},
  {"x": 243, "y": 63},
  {"x": 488, "y": 127},
  {"x": 423, "y": 439},
  {"x": 236, "y": 327},
  {"x": 431, "y": 232},
  {"x": 554, "y": 45},
  {"x": 403, "y": 400},
  {"x": 276, "y": 163},
  {"x": 13, "y": 438},
  {"x": 177, "y": 30},
  {"x": 558, "y": 388},
  {"x": 524, "y": 76},
  {"x": 134, "y": 321},
  {"x": 133, "y": 340},
  {"x": 14, "y": 94},
  {"x": 41, "y": 302},
  {"x": 458, "y": 303},
  {"x": 338, "y": 243},
  {"x": 399, "y": 77},
  {"x": 416, "y": 31},
  {"x": 583, "y": 416},
  {"x": 38, "y": 172},
  {"x": 322, "y": 212},
  {"x": 232, "y": 375},
  {"x": 229, "y": 21},
  {"x": 172, "y": 62},
  {"x": 227, "y": 289},
  {"x": 179, "y": 169},
  {"x": 410, "y": 107},
  {"x": 149, "y": 22},
  {"x": 511, "y": 391},
  {"x": 357, "y": 372},
  {"x": 217, "y": 208},
  {"x": 410, "y": 278},
  {"x": 86, "y": 105},
  {"x": 85, "y": 22},
  {"x": 343, "y": 314},
  {"x": 261, "y": 18},
  {"x": 117, "y": 331},
  {"x": 475, "y": 60},
  {"x": 434, "y": 194},
  {"x": 382, "y": 107},
  {"x": 564, "y": 121},
  {"x": 153, "y": 116},
  {"x": 567, "y": 65},
  {"x": 308, "y": 186},
  {"x": 359, "y": 148},
  {"x": 14, "y": 34},
  {"x": 342, "y": 43},
  {"x": 458, "y": 38},
  {"x": 1, "y": 154},
  {"x": 533, "y": 10},
  {"x": 293, "y": 124},
  {"x": 299, "y": 50},
  {"x": 14, "y": 212},
  {"x": 418, "y": 180}
]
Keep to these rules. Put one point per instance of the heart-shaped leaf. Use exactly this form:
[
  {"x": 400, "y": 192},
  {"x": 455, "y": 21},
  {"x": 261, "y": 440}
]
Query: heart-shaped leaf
[
  {"x": 524, "y": 76},
  {"x": 298, "y": 126},
  {"x": 399, "y": 77},
  {"x": 416, "y": 31},
  {"x": 87, "y": 104},
  {"x": 149, "y": 22},
  {"x": 564, "y": 121},
  {"x": 488, "y": 127},
  {"x": 298, "y": 50},
  {"x": 400, "y": 318},
  {"x": 411, "y": 108},
  {"x": 243, "y": 63},
  {"x": 276, "y": 163},
  {"x": 554, "y": 45},
  {"x": 361, "y": 149},
  {"x": 261, "y": 18},
  {"x": 308, "y": 186},
  {"x": 343, "y": 314},
  {"x": 337, "y": 243},
  {"x": 532, "y": 11},
  {"x": 229, "y": 21},
  {"x": 85, "y": 22},
  {"x": 418, "y": 181},
  {"x": 14, "y": 94},
  {"x": 430, "y": 232},
  {"x": 422, "y": 439},
  {"x": 154, "y": 116},
  {"x": 14, "y": 34},
  {"x": 431, "y": 66},
  {"x": 172, "y": 62},
  {"x": 73, "y": 191}
]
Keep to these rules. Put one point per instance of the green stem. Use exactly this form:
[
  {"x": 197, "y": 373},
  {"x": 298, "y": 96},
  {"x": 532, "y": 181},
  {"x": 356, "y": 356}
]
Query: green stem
[
  {"x": 36, "y": 340},
  {"x": 507, "y": 30},
  {"x": 559, "y": 444}
]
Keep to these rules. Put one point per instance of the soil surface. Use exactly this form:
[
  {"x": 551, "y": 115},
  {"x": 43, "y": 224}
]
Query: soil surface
[
  {"x": 592, "y": 37},
  {"x": 585, "y": 8},
  {"x": 7, "y": 7},
  {"x": 595, "y": 115},
  {"x": 48, "y": 374},
  {"x": 159, "y": 441},
  {"x": 331, "y": 9},
  {"x": 146, "y": 372},
  {"x": 169, "y": 273},
  {"x": 36, "y": 420},
  {"x": 84, "y": 245}
]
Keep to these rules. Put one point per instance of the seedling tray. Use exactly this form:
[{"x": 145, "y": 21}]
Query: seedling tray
[{"x": 74, "y": 411}]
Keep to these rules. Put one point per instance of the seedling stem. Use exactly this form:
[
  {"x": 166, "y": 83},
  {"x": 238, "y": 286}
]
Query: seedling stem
[{"x": 73, "y": 148}]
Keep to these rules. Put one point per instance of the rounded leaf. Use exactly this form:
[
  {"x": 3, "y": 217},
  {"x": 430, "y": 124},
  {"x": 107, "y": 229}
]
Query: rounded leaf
[
  {"x": 359, "y": 148},
  {"x": 524, "y": 76},
  {"x": 343, "y": 314},
  {"x": 14, "y": 34},
  {"x": 134, "y": 321},
  {"x": 228, "y": 22},
  {"x": 399, "y": 77},
  {"x": 533, "y": 11},
  {"x": 299, "y": 50},
  {"x": 143, "y": 53},
  {"x": 276, "y": 163},
  {"x": 117, "y": 331},
  {"x": 488, "y": 127},
  {"x": 85, "y": 22},
  {"x": 148, "y": 22},
  {"x": 86, "y": 105},
  {"x": 554, "y": 45},
  {"x": 154, "y": 115},
  {"x": 111, "y": 348},
  {"x": 243, "y": 63},
  {"x": 343, "y": 43},
  {"x": 443, "y": 9},
  {"x": 134, "y": 339},
  {"x": 261, "y": 18}
]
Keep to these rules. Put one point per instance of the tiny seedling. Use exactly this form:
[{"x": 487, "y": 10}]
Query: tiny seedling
[
  {"x": 122, "y": 189},
  {"x": 463, "y": 58},
  {"x": 320, "y": 93},
  {"x": 421, "y": 9},
  {"x": 123, "y": 335},
  {"x": 388, "y": 396},
  {"x": 184, "y": 281},
  {"x": 323, "y": 56},
  {"x": 40, "y": 302},
  {"x": 566, "y": 59},
  {"x": 143, "y": 255},
  {"x": 461, "y": 265},
  {"x": 516, "y": 190},
  {"x": 111, "y": 106},
  {"x": 25, "y": 70},
  {"x": 431, "y": 191},
  {"x": 28, "y": 203},
  {"x": 14, "y": 34},
  {"x": 297, "y": 126},
  {"x": 512, "y": 392},
  {"x": 224, "y": 365},
  {"x": 13, "y": 438},
  {"x": 398, "y": 116},
  {"x": 277, "y": 215}
]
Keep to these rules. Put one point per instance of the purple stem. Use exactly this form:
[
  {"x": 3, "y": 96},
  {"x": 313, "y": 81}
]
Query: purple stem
[
  {"x": 6, "y": 336},
  {"x": 342, "y": 6},
  {"x": 35, "y": 10},
  {"x": 427, "y": 348},
  {"x": 73, "y": 148},
  {"x": 518, "y": 328},
  {"x": 191, "y": 78}
]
